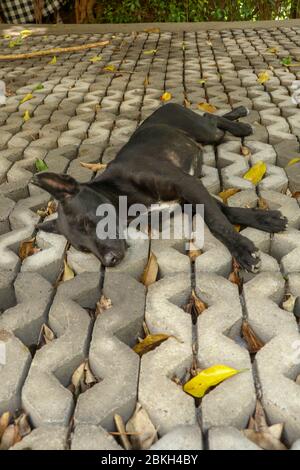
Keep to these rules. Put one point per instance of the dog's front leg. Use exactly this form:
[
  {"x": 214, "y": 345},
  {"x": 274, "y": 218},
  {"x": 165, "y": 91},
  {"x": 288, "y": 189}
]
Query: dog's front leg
[{"x": 192, "y": 191}]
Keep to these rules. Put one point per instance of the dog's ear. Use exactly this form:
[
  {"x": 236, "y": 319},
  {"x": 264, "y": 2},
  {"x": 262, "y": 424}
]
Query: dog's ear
[
  {"x": 59, "y": 186},
  {"x": 49, "y": 226}
]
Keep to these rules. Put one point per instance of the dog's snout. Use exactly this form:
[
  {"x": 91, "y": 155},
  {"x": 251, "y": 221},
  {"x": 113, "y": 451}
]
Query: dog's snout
[{"x": 110, "y": 259}]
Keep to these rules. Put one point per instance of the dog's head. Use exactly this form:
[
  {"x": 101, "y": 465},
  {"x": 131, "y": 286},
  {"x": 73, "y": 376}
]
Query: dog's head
[{"x": 77, "y": 219}]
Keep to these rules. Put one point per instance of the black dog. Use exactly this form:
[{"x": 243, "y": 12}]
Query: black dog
[{"x": 160, "y": 162}]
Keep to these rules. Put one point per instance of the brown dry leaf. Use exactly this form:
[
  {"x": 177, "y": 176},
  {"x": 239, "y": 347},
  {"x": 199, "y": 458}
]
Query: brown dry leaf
[
  {"x": 193, "y": 251},
  {"x": 289, "y": 302},
  {"x": 103, "y": 304},
  {"x": 4, "y": 422},
  {"x": 227, "y": 193},
  {"x": 141, "y": 428},
  {"x": 82, "y": 379},
  {"x": 122, "y": 432},
  {"x": 209, "y": 108},
  {"x": 186, "y": 103},
  {"x": 50, "y": 209},
  {"x": 237, "y": 227},
  {"x": 245, "y": 151},
  {"x": 272, "y": 50},
  {"x": 296, "y": 195},
  {"x": 94, "y": 166},
  {"x": 149, "y": 343},
  {"x": 200, "y": 306},
  {"x": 253, "y": 342},
  {"x": 89, "y": 378},
  {"x": 10, "y": 437},
  {"x": 146, "y": 82},
  {"x": 27, "y": 248},
  {"x": 152, "y": 30},
  {"x": 209, "y": 43},
  {"x": 266, "y": 437},
  {"x": 47, "y": 333},
  {"x": 262, "y": 204},
  {"x": 68, "y": 273},
  {"x": 234, "y": 276},
  {"x": 298, "y": 379},
  {"x": 150, "y": 272},
  {"x": 78, "y": 376},
  {"x": 23, "y": 425}
]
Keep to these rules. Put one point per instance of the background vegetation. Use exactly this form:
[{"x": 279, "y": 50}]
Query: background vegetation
[{"x": 135, "y": 11}]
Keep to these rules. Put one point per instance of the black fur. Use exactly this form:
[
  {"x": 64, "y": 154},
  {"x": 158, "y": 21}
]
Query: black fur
[{"x": 154, "y": 166}]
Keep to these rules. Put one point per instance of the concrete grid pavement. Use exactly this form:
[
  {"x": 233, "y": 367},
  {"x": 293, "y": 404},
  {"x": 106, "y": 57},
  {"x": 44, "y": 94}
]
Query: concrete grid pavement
[{"x": 84, "y": 113}]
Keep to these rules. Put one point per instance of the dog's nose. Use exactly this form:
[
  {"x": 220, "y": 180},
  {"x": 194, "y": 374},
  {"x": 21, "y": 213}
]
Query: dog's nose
[{"x": 110, "y": 259}]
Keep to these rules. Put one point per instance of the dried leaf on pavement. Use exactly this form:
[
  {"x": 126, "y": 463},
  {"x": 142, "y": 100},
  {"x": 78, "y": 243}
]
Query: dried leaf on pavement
[
  {"x": 150, "y": 273},
  {"x": 199, "y": 385},
  {"x": 94, "y": 166},
  {"x": 149, "y": 343},
  {"x": 103, "y": 304},
  {"x": 265, "y": 436},
  {"x": 253, "y": 342},
  {"x": 28, "y": 248},
  {"x": 207, "y": 107},
  {"x": 141, "y": 429}
]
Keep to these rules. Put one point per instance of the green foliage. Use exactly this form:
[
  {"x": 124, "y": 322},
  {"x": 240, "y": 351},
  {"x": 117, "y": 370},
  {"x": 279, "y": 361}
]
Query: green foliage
[{"x": 135, "y": 11}]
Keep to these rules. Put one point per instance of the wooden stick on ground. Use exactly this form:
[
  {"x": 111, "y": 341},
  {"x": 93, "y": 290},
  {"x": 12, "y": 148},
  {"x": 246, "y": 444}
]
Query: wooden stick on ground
[{"x": 54, "y": 51}]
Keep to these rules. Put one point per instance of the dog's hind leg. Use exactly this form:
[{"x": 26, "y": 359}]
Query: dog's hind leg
[
  {"x": 236, "y": 113},
  {"x": 239, "y": 129},
  {"x": 191, "y": 190},
  {"x": 267, "y": 220}
]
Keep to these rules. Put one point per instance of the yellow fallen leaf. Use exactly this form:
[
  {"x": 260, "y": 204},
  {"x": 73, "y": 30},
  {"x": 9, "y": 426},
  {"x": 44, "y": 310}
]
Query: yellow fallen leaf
[
  {"x": 201, "y": 81},
  {"x": 96, "y": 58},
  {"x": 227, "y": 193},
  {"x": 25, "y": 33},
  {"x": 26, "y": 116},
  {"x": 263, "y": 77},
  {"x": 237, "y": 227},
  {"x": 273, "y": 50},
  {"x": 150, "y": 52},
  {"x": 53, "y": 60},
  {"x": 68, "y": 273},
  {"x": 94, "y": 166},
  {"x": 150, "y": 343},
  {"x": 150, "y": 272},
  {"x": 198, "y": 386},
  {"x": 293, "y": 161},
  {"x": 166, "y": 96},
  {"x": 27, "y": 97},
  {"x": 7, "y": 36},
  {"x": 256, "y": 173},
  {"x": 110, "y": 68},
  {"x": 209, "y": 108},
  {"x": 186, "y": 103}
]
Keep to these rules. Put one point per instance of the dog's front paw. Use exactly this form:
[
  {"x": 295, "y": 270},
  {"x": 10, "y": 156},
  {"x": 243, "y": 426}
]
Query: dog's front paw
[
  {"x": 272, "y": 221},
  {"x": 246, "y": 254}
]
